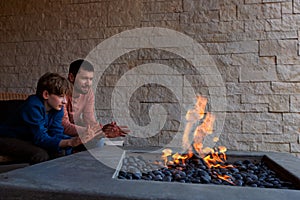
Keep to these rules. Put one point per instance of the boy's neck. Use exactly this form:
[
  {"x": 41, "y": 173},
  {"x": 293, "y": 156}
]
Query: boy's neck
[{"x": 47, "y": 107}]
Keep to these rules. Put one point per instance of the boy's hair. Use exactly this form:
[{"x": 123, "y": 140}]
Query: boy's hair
[
  {"x": 80, "y": 64},
  {"x": 54, "y": 84}
]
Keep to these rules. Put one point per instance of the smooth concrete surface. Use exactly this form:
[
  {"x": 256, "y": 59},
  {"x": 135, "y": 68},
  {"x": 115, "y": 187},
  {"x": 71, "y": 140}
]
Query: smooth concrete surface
[{"x": 82, "y": 176}]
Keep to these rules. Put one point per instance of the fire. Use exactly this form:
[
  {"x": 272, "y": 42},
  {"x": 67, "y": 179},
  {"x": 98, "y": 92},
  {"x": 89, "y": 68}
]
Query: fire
[
  {"x": 212, "y": 158},
  {"x": 177, "y": 158}
]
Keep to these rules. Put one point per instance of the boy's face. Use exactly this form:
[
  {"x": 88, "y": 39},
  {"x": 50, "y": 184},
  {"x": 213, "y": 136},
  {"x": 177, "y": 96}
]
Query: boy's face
[
  {"x": 53, "y": 101},
  {"x": 83, "y": 81}
]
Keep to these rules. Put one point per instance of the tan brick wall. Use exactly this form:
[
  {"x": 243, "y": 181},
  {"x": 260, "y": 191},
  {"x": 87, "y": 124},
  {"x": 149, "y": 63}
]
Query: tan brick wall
[{"x": 254, "y": 43}]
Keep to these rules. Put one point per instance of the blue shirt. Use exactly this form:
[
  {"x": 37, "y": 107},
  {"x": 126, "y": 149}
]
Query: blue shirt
[{"x": 32, "y": 123}]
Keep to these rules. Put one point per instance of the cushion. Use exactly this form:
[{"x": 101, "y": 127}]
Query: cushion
[{"x": 9, "y": 108}]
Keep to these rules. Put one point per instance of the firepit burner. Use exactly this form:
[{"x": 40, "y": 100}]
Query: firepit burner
[{"x": 250, "y": 172}]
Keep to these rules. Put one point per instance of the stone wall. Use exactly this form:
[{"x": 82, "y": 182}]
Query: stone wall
[{"x": 254, "y": 45}]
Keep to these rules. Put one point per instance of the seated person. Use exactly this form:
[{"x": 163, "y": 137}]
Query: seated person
[
  {"x": 79, "y": 110},
  {"x": 35, "y": 133}
]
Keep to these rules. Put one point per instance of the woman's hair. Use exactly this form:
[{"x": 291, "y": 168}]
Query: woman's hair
[{"x": 54, "y": 84}]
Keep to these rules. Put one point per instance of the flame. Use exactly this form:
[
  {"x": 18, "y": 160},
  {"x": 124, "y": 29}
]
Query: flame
[
  {"x": 202, "y": 131},
  {"x": 225, "y": 178},
  {"x": 216, "y": 159},
  {"x": 176, "y": 158},
  {"x": 212, "y": 158}
]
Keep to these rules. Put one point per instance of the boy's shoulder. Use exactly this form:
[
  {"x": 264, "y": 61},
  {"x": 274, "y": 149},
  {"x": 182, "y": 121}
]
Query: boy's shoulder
[{"x": 34, "y": 100}]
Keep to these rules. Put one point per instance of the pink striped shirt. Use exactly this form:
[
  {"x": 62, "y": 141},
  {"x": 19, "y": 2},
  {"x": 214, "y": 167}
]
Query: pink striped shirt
[{"x": 78, "y": 113}]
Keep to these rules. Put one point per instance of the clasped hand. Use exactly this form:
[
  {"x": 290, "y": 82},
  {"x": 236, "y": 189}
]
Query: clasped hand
[{"x": 112, "y": 130}]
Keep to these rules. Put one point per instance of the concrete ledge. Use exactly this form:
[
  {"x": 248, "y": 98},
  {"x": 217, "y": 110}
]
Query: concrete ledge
[
  {"x": 82, "y": 176},
  {"x": 9, "y": 167}
]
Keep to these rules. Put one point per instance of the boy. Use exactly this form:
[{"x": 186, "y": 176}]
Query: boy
[{"x": 35, "y": 134}]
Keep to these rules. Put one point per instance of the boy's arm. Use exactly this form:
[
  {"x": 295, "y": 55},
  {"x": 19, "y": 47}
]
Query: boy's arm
[{"x": 33, "y": 117}]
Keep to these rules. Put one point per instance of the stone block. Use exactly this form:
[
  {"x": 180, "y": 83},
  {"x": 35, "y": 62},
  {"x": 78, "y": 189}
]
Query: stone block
[
  {"x": 53, "y": 21},
  {"x": 296, "y": 6},
  {"x": 258, "y": 73},
  {"x": 167, "y": 137},
  {"x": 280, "y": 139},
  {"x": 277, "y": 47},
  {"x": 287, "y": 7},
  {"x": 232, "y": 144},
  {"x": 48, "y": 47},
  {"x": 231, "y": 26},
  {"x": 274, "y": 1},
  {"x": 263, "y": 88},
  {"x": 270, "y": 117},
  {"x": 255, "y": 25},
  {"x": 11, "y": 80},
  {"x": 253, "y": 1},
  {"x": 282, "y": 34},
  {"x": 228, "y": 13},
  {"x": 49, "y": 62},
  {"x": 103, "y": 98},
  {"x": 23, "y": 61},
  {"x": 288, "y": 60},
  {"x": 249, "y": 11},
  {"x": 28, "y": 48},
  {"x": 230, "y": 73},
  {"x": 233, "y": 123},
  {"x": 274, "y": 26},
  {"x": 111, "y": 80},
  {"x": 267, "y": 60},
  {"x": 253, "y": 108},
  {"x": 188, "y": 5},
  {"x": 237, "y": 47},
  {"x": 124, "y": 13},
  {"x": 274, "y": 127},
  {"x": 253, "y": 127},
  {"x": 22, "y": 90},
  {"x": 243, "y": 47},
  {"x": 295, "y": 103},
  {"x": 163, "y": 16},
  {"x": 285, "y": 88},
  {"x": 290, "y": 129},
  {"x": 290, "y": 73},
  {"x": 8, "y": 69},
  {"x": 271, "y": 11},
  {"x": 279, "y": 103},
  {"x": 8, "y": 49},
  {"x": 291, "y": 119},
  {"x": 254, "y": 99},
  {"x": 290, "y": 22},
  {"x": 244, "y": 59},
  {"x": 274, "y": 147}
]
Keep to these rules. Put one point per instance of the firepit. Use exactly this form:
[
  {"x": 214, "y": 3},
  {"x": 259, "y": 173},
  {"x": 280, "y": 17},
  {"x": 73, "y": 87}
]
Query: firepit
[
  {"x": 83, "y": 176},
  {"x": 203, "y": 164},
  {"x": 239, "y": 170}
]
